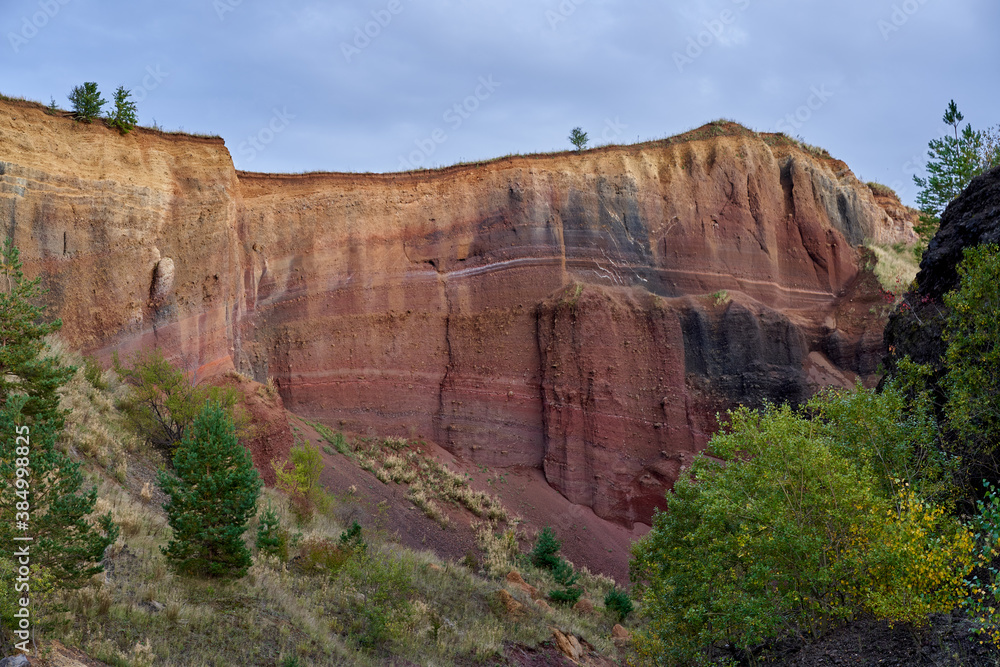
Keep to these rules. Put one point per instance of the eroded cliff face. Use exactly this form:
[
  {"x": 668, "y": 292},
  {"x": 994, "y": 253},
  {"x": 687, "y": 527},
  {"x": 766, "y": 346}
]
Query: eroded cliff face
[{"x": 583, "y": 313}]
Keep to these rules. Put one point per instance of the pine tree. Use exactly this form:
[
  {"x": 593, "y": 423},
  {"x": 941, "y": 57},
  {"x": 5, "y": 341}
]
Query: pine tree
[
  {"x": 123, "y": 116},
  {"x": 546, "y": 552},
  {"x": 23, "y": 366},
  {"x": 87, "y": 102},
  {"x": 954, "y": 162},
  {"x": 212, "y": 496},
  {"x": 269, "y": 538},
  {"x": 63, "y": 542}
]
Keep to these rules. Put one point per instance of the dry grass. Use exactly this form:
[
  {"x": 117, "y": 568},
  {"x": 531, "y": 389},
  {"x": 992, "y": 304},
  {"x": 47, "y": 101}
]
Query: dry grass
[
  {"x": 881, "y": 190},
  {"x": 430, "y": 482},
  {"x": 352, "y": 606},
  {"x": 896, "y": 267}
]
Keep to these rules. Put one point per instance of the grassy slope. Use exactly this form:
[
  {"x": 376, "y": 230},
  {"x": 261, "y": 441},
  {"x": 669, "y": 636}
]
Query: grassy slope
[{"x": 350, "y": 609}]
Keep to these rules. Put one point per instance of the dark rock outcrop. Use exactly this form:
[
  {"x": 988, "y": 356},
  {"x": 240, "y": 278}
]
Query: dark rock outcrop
[{"x": 972, "y": 219}]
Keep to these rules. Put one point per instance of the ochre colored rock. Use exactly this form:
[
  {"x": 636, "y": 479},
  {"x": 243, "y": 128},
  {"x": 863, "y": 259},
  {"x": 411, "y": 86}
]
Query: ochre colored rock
[
  {"x": 569, "y": 645},
  {"x": 583, "y": 606},
  {"x": 514, "y": 577},
  {"x": 543, "y": 605},
  {"x": 510, "y": 605},
  {"x": 620, "y": 633},
  {"x": 583, "y": 314}
]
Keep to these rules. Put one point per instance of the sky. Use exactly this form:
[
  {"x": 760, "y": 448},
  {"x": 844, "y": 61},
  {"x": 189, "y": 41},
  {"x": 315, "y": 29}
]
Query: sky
[{"x": 388, "y": 85}]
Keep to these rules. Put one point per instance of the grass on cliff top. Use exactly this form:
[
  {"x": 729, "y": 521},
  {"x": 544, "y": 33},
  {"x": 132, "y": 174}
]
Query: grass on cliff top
[{"x": 321, "y": 603}]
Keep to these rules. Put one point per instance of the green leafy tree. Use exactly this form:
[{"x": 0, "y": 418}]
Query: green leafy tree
[
  {"x": 163, "y": 402},
  {"x": 123, "y": 116},
  {"x": 893, "y": 433},
  {"x": 972, "y": 359},
  {"x": 578, "y": 138},
  {"x": 87, "y": 102},
  {"x": 789, "y": 537},
  {"x": 300, "y": 474},
  {"x": 953, "y": 162},
  {"x": 212, "y": 496}
]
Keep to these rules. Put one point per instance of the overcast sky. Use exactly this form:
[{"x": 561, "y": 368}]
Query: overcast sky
[{"x": 382, "y": 85}]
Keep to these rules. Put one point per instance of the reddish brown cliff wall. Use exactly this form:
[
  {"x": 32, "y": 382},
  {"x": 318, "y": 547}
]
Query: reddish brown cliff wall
[{"x": 548, "y": 311}]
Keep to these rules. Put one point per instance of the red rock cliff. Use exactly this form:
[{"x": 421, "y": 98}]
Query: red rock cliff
[{"x": 582, "y": 313}]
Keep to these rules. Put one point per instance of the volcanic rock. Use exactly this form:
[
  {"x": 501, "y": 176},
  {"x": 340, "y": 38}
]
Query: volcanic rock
[{"x": 970, "y": 220}]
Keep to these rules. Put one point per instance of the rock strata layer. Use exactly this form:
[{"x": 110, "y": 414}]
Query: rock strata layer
[{"x": 586, "y": 314}]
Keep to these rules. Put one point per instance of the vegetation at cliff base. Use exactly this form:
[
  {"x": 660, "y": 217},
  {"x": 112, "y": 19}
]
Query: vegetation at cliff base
[
  {"x": 213, "y": 492},
  {"x": 852, "y": 506}
]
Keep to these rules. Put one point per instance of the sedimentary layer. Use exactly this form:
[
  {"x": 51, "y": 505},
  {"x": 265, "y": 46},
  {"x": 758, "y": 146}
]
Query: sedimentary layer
[{"x": 582, "y": 313}]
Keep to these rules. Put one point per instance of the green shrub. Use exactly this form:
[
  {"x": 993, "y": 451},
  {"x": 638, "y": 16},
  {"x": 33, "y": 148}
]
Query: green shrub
[
  {"x": 87, "y": 102},
  {"x": 322, "y": 555},
  {"x": 566, "y": 596},
  {"x": 163, "y": 402},
  {"x": 123, "y": 117},
  {"x": 352, "y": 538},
  {"x": 789, "y": 537},
  {"x": 973, "y": 359},
  {"x": 385, "y": 587},
  {"x": 546, "y": 551},
  {"x": 94, "y": 374},
  {"x": 618, "y": 603}
]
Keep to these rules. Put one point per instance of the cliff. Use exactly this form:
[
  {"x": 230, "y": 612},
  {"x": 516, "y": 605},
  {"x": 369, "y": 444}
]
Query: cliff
[{"x": 586, "y": 314}]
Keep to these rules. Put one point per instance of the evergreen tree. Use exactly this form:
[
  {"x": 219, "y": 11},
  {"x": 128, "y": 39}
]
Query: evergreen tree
[
  {"x": 87, "y": 102},
  {"x": 23, "y": 367},
  {"x": 63, "y": 542},
  {"x": 269, "y": 538},
  {"x": 578, "y": 138},
  {"x": 546, "y": 552},
  {"x": 123, "y": 117},
  {"x": 212, "y": 496},
  {"x": 954, "y": 162}
]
